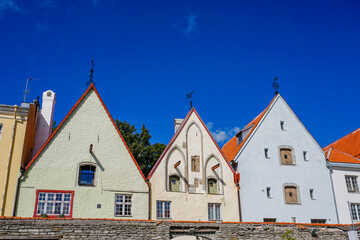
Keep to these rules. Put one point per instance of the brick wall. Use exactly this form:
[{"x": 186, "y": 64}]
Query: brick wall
[{"x": 15, "y": 228}]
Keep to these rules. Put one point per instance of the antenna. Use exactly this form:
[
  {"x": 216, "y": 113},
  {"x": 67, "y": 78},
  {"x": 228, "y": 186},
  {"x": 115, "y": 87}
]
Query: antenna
[
  {"x": 189, "y": 96},
  {"x": 27, "y": 91},
  {"x": 276, "y": 85},
  {"x": 91, "y": 74}
]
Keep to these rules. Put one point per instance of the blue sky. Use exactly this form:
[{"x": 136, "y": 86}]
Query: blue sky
[{"x": 149, "y": 54}]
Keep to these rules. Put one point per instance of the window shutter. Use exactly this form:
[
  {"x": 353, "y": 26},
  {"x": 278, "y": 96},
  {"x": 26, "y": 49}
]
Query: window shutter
[
  {"x": 291, "y": 194},
  {"x": 286, "y": 156}
]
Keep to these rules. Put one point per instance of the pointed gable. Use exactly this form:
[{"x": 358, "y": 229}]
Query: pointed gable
[
  {"x": 349, "y": 144},
  {"x": 175, "y": 136},
  {"x": 68, "y": 119}
]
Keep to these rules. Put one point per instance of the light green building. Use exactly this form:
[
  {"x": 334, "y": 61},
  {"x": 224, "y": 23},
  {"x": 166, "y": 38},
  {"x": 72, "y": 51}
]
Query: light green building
[{"x": 84, "y": 170}]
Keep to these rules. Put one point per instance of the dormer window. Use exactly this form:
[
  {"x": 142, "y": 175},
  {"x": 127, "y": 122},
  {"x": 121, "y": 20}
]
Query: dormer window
[{"x": 87, "y": 175}]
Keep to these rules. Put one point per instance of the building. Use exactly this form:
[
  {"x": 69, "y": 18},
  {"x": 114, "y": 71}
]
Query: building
[
  {"x": 284, "y": 177},
  {"x": 84, "y": 170},
  {"x": 192, "y": 180},
  {"x": 344, "y": 160},
  {"x": 17, "y": 132}
]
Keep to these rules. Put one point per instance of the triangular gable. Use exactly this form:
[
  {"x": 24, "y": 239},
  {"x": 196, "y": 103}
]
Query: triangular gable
[
  {"x": 175, "y": 137},
  {"x": 257, "y": 122},
  {"x": 69, "y": 114},
  {"x": 349, "y": 144},
  {"x": 334, "y": 155}
]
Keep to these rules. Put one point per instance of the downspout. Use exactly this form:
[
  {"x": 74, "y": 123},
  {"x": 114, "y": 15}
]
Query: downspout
[
  {"x": 22, "y": 170},
  {"x": 332, "y": 184},
  {"x": 238, "y": 195},
  {"x": 149, "y": 200},
  {"x": 8, "y": 163}
]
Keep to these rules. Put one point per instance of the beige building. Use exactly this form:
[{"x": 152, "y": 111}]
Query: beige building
[
  {"x": 17, "y": 132},
  {"x": 192, "y": 180},
  {"x": 84, "y": 170}
]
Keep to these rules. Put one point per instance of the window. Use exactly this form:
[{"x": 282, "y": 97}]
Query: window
[
  {"x": 212, "y": 186},
  {"x": 87, "y": 175},
  {"x": 163, "y": 209},
  {"x": 282, "y": 125},
  {"x": 122, "y": 205},
  {"x": 266, "y": 151},
  {"x": 53, "y": 203},
  {"x": 291, "y": 195},
  {"x": 269, "y": 219},
  {"x": 318, "y": 220},
  {"x": 293, "y": 219},
  {"x": 195, "y": 163},
  {"x": 268, "y": 192},
  {"x": 312, "y": 196},
  {"x": 305, "y": 156},
  {"x": 0, "y": 129},
  {"x": 355, "y": 211},
  {"x": 351, "y": 183},
  {"x": 174, "y": 184},
  {"x": 286, "y": 156},
  {"x": 214, "y": 211}
]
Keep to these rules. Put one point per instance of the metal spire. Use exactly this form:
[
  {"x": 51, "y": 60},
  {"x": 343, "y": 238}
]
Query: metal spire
[
  {"x": 91, "y": 74},
  {"x": 189, "y": 96},
  {"x": 276, "y": 85}
]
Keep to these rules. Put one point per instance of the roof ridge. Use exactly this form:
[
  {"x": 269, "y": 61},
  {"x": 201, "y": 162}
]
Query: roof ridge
[{"x": 341, "y": 139}]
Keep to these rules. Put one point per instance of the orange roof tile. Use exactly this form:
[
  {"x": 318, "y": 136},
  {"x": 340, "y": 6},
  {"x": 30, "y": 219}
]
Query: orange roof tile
[
  {"x": 231, "y": 148},
  {"x": 349, "y": 144},
  {"x": 335, "y": 155}
]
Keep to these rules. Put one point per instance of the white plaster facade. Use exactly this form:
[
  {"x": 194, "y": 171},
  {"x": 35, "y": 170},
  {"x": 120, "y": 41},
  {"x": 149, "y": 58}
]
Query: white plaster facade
[
  {"x": 260, "y": 174},
  {"x": 342, "y": 195},
  {"x": 56, "y": 167},
  {"x": 191, "y": 201}
]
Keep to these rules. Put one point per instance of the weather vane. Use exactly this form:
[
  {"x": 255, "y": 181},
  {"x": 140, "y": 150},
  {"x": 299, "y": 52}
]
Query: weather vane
[
  {"x": 189, "y": 96},
  {"x": 91, "y": 74},
  {"x": 27, "y": 90},
  {"x": 275, "y": 85}
]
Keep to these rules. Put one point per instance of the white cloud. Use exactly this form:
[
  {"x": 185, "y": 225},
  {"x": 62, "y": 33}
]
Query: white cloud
[
  {"x": 8, "y": 5},
  {"x": 222, "y": 134},
  {"x": 191, "y": 24}
]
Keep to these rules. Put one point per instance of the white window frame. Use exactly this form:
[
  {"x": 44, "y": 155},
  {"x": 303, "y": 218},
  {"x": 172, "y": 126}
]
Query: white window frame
[
  {"x": 355, "y": 211},
  {"x": 351, "y": 184},
  {"x": 46, "y": 201},
  {"x": 212, "y": 207},
  {"x": 123, "y": 204},
  {"x": 162, "y": 211}
]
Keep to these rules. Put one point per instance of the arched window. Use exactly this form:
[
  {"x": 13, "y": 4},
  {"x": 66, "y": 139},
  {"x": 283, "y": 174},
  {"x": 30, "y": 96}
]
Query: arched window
[
  {"x": 174, "y": 183},
  {"x": 212, "y": 186},
  {"x": 87, "y": 175}
]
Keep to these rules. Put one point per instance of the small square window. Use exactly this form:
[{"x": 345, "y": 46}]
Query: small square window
[
  {"x": 351, "y": 183},
  {"x": 269, "y": 219},
  {"x": 268, "y": 192},
  {"x": 214, "y": 211},
  {"x": 87, "y": 175},
  {"x": 123, "y": 205},
  {"x": 266, "y": 151},
  {"x": 163, "y": 209},
  {"x": 293, "y": 219},
  {"x": 312, "y": 196},
  {"x": 305, "y": 156},
  {"x": 318, "y": 220},
  {"x": 282, "y": 125}
]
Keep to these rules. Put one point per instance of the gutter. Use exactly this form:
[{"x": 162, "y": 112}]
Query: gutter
[
  {"x": 8, "y": 163},
  {"x": 22, "y": 170}
]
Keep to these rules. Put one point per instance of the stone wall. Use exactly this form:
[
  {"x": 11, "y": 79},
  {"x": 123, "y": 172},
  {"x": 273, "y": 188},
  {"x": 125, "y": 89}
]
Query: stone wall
[{"x": 16, "y": 228}]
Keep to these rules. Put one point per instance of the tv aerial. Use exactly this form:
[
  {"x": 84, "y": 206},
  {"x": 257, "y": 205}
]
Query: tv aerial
[
  {"x": 189, "y": 96},
  {"x": 27, "y": 90},
  {"x": 276, "y": 85}
]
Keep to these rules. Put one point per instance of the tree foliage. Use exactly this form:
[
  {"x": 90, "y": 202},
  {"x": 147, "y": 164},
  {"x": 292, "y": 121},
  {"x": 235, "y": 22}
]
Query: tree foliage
[{"x": 143, "y": 151}]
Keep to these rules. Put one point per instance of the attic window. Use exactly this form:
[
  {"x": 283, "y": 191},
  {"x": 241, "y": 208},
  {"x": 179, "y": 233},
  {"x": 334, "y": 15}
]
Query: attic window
[
  {"x": 291, "y": 194},
  {"x": 195, "y": 163},
  {"x": 286, "y": 156},
  {"x": 87, "y": 175},
  {"x": 266, "y": 151},
  {"x": 305, "y": 156},
  {"x": 282, "y": 125}
]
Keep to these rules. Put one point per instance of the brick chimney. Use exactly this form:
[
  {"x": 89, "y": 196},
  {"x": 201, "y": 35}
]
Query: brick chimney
[{"x": 177, "y": 123}]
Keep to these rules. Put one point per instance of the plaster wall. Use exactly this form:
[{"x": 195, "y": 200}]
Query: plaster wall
[
  {"x": 258, "y": 172},
  {"x": 57, "y": 166},
  {"x": 341, "y": 193},
  {"x": 193, "y": 139}
]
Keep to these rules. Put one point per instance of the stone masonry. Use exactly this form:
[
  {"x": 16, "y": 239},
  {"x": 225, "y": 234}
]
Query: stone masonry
[{"x": 16, "y": 228}]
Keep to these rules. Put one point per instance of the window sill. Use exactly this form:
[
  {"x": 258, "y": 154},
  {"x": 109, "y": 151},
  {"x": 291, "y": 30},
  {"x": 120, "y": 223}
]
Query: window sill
[
  {"x": 353, "y": 192},
  {"x": 215, "y": 194},
  {"x": 298, "y": 203}
]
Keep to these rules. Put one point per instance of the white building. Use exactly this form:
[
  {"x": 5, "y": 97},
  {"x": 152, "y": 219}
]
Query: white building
[
  {"x": 283, "y": 172},
  {"x": 192, "y": 180},
  {"x": 84, "y": 170},
  {"x": 343, "y": 158}
]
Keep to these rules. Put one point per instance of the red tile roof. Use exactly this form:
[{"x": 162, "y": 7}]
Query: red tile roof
[
  {"x": 334, "y": 155},
  {"x": 349, "y": 144},
  {"x": 68, "y": 115},
  {"x": 231, "y": 148}
]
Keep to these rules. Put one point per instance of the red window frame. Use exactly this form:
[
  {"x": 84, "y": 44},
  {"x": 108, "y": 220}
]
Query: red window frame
[{"x": 53, "y": 191}]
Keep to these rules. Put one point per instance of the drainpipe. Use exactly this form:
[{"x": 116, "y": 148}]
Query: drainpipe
[
  {"x": 22, "y": 170},
  {"x": 149, "y": 200},
  {"x": 239, "y": 203},
  {"x": 333, "y": 190},
  {"x": 8, "y": 163}
]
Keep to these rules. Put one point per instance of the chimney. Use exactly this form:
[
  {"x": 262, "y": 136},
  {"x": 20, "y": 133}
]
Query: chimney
[
  {"x": 45, "y": 120},
  {"x": 177, "y": 123}
]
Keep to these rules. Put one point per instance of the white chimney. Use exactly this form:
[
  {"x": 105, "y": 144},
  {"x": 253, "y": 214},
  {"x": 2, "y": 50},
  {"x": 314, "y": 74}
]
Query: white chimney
[
  {"x": 177, "y": 123},
  {"x": 44, "y": 120}
]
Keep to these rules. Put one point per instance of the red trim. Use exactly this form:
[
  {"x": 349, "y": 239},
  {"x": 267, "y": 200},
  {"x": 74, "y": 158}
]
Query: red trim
[
  {"x": 66, "y": 117},
  {"x": 176, "y": 135},
  {"x": 54, "y": 191}
]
